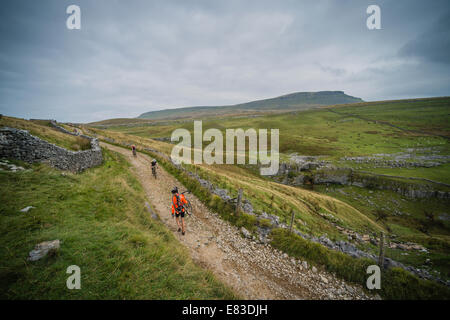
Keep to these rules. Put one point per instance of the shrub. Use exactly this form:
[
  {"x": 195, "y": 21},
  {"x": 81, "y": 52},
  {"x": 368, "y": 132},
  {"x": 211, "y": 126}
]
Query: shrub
[
  {"x": 292, "y": 174},
  {"x": 247, "y": 221},
  {"x": 81, "y": 144},
  {"x": 381, "y": 215}
]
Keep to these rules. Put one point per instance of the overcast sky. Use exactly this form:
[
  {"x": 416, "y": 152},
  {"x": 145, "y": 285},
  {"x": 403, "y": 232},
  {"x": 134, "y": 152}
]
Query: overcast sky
[{"x": 135, "y": 56}]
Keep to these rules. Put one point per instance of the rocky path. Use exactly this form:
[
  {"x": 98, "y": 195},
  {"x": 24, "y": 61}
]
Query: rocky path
[{"x": 253, "y": 270}]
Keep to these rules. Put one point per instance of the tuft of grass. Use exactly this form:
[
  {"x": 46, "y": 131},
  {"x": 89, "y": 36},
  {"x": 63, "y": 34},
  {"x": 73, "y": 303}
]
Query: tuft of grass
[
  {"x": 265, "y": 223},
  {"x": 80, "y": 144}
]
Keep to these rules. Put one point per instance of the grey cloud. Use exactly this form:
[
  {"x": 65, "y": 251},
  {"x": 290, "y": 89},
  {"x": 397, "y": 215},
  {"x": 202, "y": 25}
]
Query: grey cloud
[
  {"x": 432, "y": 45},
  {"x": 134, "y": 56}
]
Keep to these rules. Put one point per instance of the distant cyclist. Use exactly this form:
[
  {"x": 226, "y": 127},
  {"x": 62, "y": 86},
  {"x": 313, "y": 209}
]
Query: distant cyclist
[
  {"x": 154, "y": 166},
  {"x": 133, "y": 149},
  {"x": 178, "y": 203}
]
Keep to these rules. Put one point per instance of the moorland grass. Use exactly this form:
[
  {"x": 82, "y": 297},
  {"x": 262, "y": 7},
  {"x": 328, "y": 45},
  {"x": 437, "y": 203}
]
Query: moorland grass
[{"x": 103, "y": 225}]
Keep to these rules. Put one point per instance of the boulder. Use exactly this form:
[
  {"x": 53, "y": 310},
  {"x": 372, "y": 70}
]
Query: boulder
[
  {"x": 152, "y": 213},
  {"x": 246, "y": 233},
  {"x": 42, "y": 249},
  {"x": 26, "y": 209},
  {"x": 222, "y": 193},
  {"x": 305, "y": 264},
  {"x": 247, "y": 207}
]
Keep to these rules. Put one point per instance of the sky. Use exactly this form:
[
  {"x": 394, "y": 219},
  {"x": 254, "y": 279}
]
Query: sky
[{"x": 134, "y": 56}]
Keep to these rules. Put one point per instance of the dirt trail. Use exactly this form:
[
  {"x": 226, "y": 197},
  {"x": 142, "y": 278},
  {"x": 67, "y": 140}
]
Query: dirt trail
[{"x": 253, "y": 270}]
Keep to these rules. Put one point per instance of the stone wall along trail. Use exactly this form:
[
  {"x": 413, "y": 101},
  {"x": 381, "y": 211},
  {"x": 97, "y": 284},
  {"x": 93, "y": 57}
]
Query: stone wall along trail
[{"x": 253, "y": 270}]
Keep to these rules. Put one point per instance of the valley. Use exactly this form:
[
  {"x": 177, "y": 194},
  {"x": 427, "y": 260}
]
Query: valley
[
  {"x": 322, "y": 145},
  {"x": 343, "y": 180}
]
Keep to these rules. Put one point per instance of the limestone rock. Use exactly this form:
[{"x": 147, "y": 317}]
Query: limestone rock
[
  {"x": 26, "y": 209},
  {"x": 246, "y": 233},
  {"x": 42, "y": 249}
]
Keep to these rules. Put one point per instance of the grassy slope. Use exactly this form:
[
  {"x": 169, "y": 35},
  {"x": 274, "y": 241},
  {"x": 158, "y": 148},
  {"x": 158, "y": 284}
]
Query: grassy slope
[
  {"x": 428, "y": 115},
  {"x": 100, "y": 218},
  {"x": 407, "y": 226},
  {"x": 397, "y": 283},
  {"x": 323, "y": 132},
  {"x": 269, "y": 196},
  {"x": 280, "y": 199}
]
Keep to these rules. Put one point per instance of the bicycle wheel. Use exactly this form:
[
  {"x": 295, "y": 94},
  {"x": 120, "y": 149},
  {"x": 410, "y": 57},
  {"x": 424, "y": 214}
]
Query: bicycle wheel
[{"x": 188, "y": 207}]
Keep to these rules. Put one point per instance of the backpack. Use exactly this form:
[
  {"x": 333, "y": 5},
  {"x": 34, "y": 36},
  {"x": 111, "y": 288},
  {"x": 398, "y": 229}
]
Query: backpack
[{"x": 179, "y": 205}]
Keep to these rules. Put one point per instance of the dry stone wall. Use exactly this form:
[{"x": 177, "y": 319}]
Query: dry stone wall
[{"x": 21, "y": 145}]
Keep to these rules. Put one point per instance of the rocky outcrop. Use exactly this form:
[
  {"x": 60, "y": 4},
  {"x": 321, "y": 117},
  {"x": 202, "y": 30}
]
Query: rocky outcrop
[
  {"x": 410, "y": 190},
  {"x": 424, "y": 189},
  {"x": 302, "y": 163},
  {"x": 5, "y": 165},
  {"x": 153, "y": 215},
  {"x": 409, "y": 158},
  {"x": 21, "y": 145}
]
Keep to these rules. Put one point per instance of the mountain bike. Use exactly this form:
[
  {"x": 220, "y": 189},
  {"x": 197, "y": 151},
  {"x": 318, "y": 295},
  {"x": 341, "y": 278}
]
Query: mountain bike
[
  {"x": 154, "y": 171},
  {"x": 188, "y": 206}
]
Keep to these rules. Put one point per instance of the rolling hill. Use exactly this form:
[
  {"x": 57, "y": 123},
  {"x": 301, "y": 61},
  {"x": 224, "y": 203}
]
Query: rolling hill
[{"x": 293, "y": 101}]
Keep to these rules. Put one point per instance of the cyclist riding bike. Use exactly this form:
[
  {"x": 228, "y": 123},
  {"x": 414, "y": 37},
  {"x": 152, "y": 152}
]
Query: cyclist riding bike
[
  {"x": 154, "y": 166},
  {"x": 133, "y": 149},
  {"x": 178, "y": 203}
]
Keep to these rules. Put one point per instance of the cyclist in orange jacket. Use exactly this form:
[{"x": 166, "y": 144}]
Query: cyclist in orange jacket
[{"x": 178, "y": 202}]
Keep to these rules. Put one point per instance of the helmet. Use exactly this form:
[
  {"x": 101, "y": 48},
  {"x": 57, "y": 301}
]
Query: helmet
[
  {"x": 153, "y": 161},
  {"x": 175, "y": 190}
]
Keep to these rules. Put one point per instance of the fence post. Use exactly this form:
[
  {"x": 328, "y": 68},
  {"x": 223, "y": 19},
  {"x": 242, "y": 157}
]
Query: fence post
[
  {"x": 239, "y": 202},
  {"x": 381, "y": 256},
  {"x": 292, "y": 220}
]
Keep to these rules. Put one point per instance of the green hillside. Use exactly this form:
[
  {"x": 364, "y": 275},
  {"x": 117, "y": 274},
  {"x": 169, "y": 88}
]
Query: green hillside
[
  {"x": 311, "y": 206},
  {"x": 101, "y": 220},
  {"x": 363, "y": 129},
  {"x": 403, "y": 131}
]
